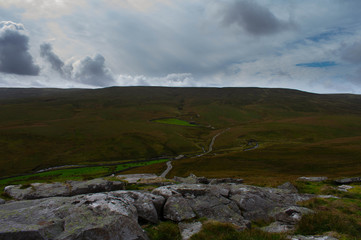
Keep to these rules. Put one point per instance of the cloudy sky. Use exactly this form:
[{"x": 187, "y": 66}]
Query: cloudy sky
[{"x": 308, "y": 45}]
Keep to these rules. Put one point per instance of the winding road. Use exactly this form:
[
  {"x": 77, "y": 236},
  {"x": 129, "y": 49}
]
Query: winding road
[{"x": 210, "y": 149}]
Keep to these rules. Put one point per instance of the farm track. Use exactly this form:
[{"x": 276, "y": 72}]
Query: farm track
[{"x": 210, "y": 149}]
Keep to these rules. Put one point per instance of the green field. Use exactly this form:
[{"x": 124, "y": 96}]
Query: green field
[
  {"x": 298, "y": 133},
  {"x": 175, "y": 121},
  {"x": 81, "y": 173}
]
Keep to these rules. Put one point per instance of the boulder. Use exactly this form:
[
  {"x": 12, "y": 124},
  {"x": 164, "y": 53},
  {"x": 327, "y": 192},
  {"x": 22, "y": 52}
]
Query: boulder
[
  {"x": 93, "y": 216},
  {"x": 344, "y": 188},
  {"x": 187, "y": 230},
  {"x": 69, "y": 188},
  {"x": 288, "y": 186},
  {"x": 312, "y": 179},
  {"x": 300, "y": 237},
  {"x": 348, "y": 180},
  {"x": 177, "y": 209},
  {"x": 290, "y": 215},
  {"x": 149, "y": 206},
  {"x": 218, "y": 208},
  {"x": 286, "y": 218},
  {"x": 2, "y": 201}
]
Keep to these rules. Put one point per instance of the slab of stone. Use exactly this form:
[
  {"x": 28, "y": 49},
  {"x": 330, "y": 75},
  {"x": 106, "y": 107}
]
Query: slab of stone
[
  {"x": 69, "y": 188},
  {"x": 312, "y": 179},
  {"x": 288, "y": 186},
  {"x": 278, "y": 227},
  {"x": 187, "y": 230},
  {"x": 93, "y": 216},
  {"x": 136, "y": 178},
  {"x": 177, "y": 209},
  {"x": 348, "y": 180},
  {"x": 300, "y": 237},
  {"x": 344, "y": 188}
]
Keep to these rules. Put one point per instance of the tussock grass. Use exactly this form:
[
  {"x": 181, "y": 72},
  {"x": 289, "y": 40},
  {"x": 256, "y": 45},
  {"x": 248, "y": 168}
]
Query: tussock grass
[
  {"x": 225, "y": 231},
  {"x": 164, "y": 231}
]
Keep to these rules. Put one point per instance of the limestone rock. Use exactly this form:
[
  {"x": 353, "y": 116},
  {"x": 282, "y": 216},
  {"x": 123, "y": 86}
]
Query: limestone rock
[
  {"x": 69, "y": 188},
  {"x": 348, "y": 180},
  {"x": 93, "y": 216},
  {"x": 344, "y": 188},
  {"x": 290, "y": 215},
  {"x": 177, "y": 209},
  {"x": 288, "y": 186},
  {"x": 256, "y": 202},
  {"x": 149, "y": 206},
  {"x": 187, "y": 230},
  {"x": 278, "y": 227},
  {"x": 300, "y": 237},
  {"x": 312, "y": 179},
  {"x": 218, "y": 208}
]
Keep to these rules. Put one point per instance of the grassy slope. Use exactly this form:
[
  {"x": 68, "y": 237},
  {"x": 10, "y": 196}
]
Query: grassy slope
[{"x": 299, "y": 133}]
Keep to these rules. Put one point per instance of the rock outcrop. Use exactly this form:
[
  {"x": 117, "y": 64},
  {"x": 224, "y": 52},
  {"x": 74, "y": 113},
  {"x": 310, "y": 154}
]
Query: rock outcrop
[
  {"x": 93, "y": 216},
  {"x": 118, "y": 214},
  {"x": 69, "y": 188},
  {"x": 348, "y": 180},
  {"x": 312, "y": 179}
]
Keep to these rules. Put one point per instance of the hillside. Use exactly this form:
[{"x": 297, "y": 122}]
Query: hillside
[{"x": 298, "y": 133}]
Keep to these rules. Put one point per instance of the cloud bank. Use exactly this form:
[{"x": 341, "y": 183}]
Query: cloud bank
[
  {"x": 308, "y": 45},
  {"x": 14, "y": 50}
]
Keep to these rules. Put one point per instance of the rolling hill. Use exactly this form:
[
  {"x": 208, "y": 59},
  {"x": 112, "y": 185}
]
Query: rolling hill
[{"x": 298, "y": 132}]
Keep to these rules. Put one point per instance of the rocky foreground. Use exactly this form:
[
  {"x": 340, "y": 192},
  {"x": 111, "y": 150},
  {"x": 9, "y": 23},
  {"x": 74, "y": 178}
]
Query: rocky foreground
[{"x": 100, "y": 209}]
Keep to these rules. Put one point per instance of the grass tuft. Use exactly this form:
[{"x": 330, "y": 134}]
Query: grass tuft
[
  {"x": 164, "y": 231},
  {"x": 225, "y": 231}
]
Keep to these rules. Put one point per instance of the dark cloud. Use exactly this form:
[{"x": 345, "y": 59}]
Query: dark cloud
[
  {"x": 14, "y": 47},
  {"x": 253, "y": 18},
  {"x": 352, "y": 53},
  {"x": 46, "y": 51}
]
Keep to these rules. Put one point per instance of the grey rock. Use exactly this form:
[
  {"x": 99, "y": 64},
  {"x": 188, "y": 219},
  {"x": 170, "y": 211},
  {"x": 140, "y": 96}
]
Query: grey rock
[
  {"x": 344, "y": 188},
  {"x": 93, "y": 216},
  {"x": 312, "y": 179},
  {"x": 288, "y": 186},
  {"x": 149, "y": 206},
  {"x": 218, "y": 208},
  {"x": 177, "y": 209},
  {"x": 256, "y": 202},
  {"x": 278, "y": 227},
  {"x": 300, "y": 237},
  {"x": 182, "y": 190},
  {"x": 187, "y": 230},
  {"x": 2, "y": 201},
  {"x": 69, "y": 188},
  {"x": 290, "y": 215},
  {"x": 136, "y": 178},
  {"x": 348, "y": 180}
]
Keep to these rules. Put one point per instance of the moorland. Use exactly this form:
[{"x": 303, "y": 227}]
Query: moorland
[{"x": 298, "y": 133}]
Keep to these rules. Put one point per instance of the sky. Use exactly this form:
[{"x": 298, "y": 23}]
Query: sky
[{"x": 308, "y": 45}]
